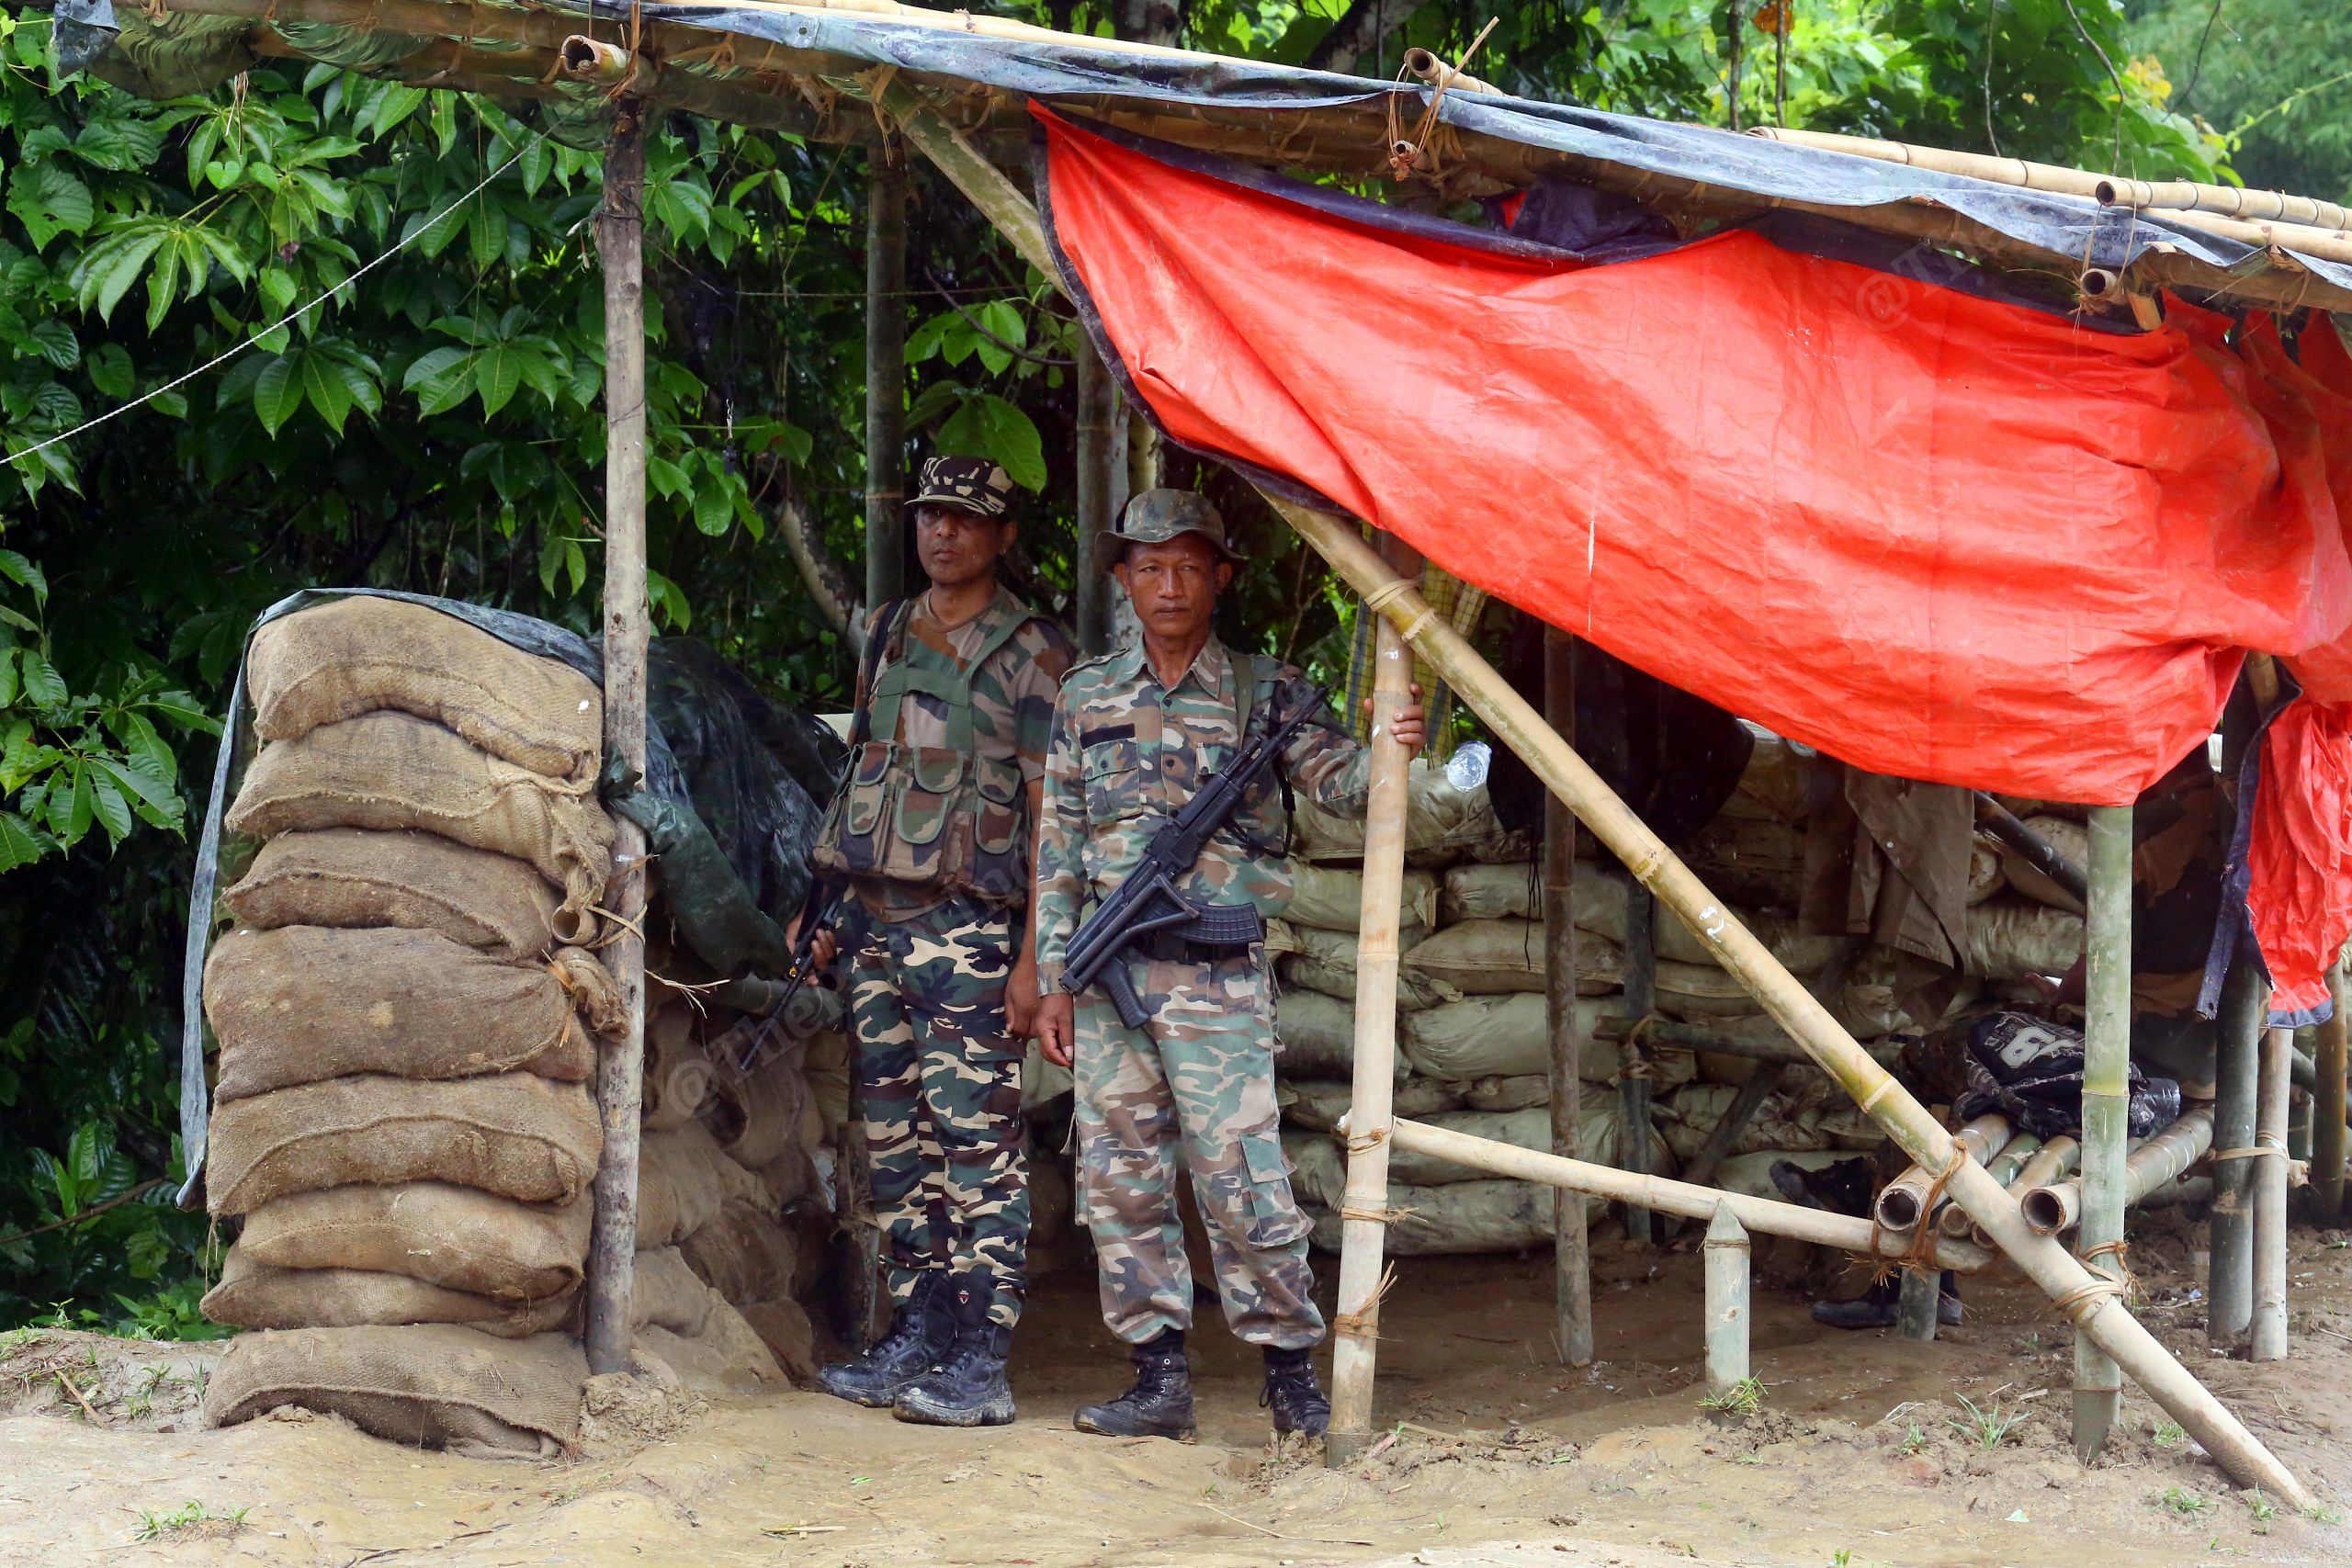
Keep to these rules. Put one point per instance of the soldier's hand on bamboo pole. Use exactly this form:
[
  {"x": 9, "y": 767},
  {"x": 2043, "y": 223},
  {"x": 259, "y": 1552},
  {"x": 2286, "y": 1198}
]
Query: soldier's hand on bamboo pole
[
  {"x": 1057, "y": 1013},
  {"x": 1410, "y": 728}
]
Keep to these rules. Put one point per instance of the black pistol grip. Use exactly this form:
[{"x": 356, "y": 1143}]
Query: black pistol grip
[{"x": 1121, "y": 989}]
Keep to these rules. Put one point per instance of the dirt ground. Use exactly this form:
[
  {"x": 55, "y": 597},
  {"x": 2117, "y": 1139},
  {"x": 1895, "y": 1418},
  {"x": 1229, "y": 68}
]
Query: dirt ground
[{"x": 1492, "y": 1453}]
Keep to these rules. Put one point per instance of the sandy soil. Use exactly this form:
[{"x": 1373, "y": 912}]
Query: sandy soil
[{"x": 1503, "y": 1457}]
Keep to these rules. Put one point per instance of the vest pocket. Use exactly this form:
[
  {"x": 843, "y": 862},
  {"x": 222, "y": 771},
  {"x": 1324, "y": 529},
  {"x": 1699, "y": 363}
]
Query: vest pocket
[
  {"x": 928, "y": 800},
  {"x": 998, "y": 831}
]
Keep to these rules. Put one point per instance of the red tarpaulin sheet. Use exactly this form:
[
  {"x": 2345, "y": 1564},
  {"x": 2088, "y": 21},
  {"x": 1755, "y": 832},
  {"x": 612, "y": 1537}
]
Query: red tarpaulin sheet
[{"x": 1938, "y": 536}]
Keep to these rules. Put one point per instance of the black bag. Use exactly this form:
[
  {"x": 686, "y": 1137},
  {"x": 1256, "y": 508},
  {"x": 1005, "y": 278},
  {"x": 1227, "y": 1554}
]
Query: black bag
[{"x": 2031, "y": 1070}]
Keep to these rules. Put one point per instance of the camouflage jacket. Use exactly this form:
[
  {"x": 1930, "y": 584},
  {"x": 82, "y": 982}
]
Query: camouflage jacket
[{"x": 1126, "y": 754}]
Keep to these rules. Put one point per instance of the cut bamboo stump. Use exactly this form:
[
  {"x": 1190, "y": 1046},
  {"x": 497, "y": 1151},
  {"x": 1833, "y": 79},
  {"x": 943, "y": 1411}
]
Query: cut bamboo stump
[
  {"x": 1915, "y": 1306},
  {"x": 2270, "y": 1199},
  {"x": 2052, "y": 1208},
  {"x": 1363, "y": 1208},
  {"x": 2091, "y": 1303},
  {"x": 2107, "y": 1106},
  {"x": 1726, "y": 1252},
  {"x": 1903, "y": 1202},
  {"x": 1571, "y": 1248},
  {"x": 2002, "y": 1168},
  {"x": 620, "y": 1067}
]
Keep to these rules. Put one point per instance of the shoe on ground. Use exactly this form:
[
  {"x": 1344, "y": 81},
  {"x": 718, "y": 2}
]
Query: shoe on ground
[
  {"x": 1160, "y": 1403},
  {"x": 967, "y": 1385},
  {"x": 920, "y": 1332},
  {"x": 1293, "y": 1394}
]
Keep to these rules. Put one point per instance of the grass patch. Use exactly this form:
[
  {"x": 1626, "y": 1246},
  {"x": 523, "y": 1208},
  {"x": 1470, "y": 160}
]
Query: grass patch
[
  {"x": 1987, "y": 1428},
  {"x": 2187, "y": 1504},
  {"x": 1742, "y": 1399},
  {"x": 190, "y": 1521}
]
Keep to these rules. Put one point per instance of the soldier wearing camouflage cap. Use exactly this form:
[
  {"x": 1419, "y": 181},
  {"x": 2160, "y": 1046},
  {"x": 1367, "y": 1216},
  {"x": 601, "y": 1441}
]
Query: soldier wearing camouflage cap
[
  {"x": 1134, "y": 735},
  {"x": 935, "y": 829}
]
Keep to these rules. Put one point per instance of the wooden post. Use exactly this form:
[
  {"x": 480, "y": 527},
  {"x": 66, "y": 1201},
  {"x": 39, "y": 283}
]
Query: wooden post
[
  {"x": 620, "y": 1067},
  {"x": 1735, "y": 948},
  {"x": 1571, "y": 1251},
  {"x": 886, "y": 374},
  {"x": 1098, "y": 414},
  {"x": 1740, "y": 954},
  {"x": 1632, "y": 1059},
  {"x": 2229, "y": 1293},
  {"x": 2327, "y": 1106},
  {"x": 2270, "y": 1198},
  {"x": 1915, "y": 1306},
  {"x": 1363, "y": 1227},
  {"x": 1726, "y": 1253},
  {"x": 2107, "y": 1105}
]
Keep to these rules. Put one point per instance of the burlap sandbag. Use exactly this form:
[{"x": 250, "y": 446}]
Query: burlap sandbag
[
  {"x": 755, "y": 1117},
  {"x": 1485, "y": 957},
  {"x": 252, "y": 1295},
  {"x": 512, "y": 1134},
  {"x": 1441, "y": 820},
  {"x": 454, "y": 1237},
  {"x": 1315, "y": 1036},
  {"x": 2011, "y": 938},
  {"x": 360, "y": 654},
  {"x": 1515, "y": 1092},
  {"x": 595, "y": 994},
  {"x": 1317, "y": 960},
  {"x": 1507, "y": 1036},
  {"x": 302, "y": 1003},
  {"x": 1332, "y": 899},
  {"x": 351, "y": 877},
  {"x": 2072, "y": 841},
  {"x": 726, "y": 1357},
  {"x": 783, "y": 1328},
  {"x": 1318, "y": 1106},
  {"x": 745, "y": 1255},
  {"x": 1465, "y": 1217},
  {"x": 681, "y": 1179},
  {"x": 666, "y": 1293},
  {"x": 389, "y": 770},
  {"x": 431, "y": 1385},
  {"x": 678, "y": 1075}
]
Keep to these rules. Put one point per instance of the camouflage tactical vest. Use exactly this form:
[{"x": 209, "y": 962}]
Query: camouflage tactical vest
[{"x": 950, "y": 818}]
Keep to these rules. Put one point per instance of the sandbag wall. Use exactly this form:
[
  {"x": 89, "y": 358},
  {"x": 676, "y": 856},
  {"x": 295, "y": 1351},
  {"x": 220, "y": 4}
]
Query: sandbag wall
[
  {"x": 1474, "y": 1049},
  {"x": 408, "y": 1006}
]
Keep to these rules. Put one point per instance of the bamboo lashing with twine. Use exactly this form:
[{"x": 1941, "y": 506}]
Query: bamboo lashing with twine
[{"x": 1518, "y": 725}]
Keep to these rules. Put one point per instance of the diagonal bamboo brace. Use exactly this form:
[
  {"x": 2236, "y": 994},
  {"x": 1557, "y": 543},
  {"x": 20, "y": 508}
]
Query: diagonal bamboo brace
[{"x": 2092, "y": 1303}]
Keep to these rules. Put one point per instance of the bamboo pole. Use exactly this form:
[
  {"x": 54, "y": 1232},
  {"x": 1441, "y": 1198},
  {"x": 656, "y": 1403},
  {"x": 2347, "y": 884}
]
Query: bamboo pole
[
  {"x": 2002, "y": 1168},
  {"x": 1903, "y": 1202},
  {"x": 1727, "y": 1252},
  {"x": 1571, "y": 1248},
  {"x": 620, "y": 1067},
  {"x": 1916, "y": 1305},
  {"x": 1098, "y": 414},
  {"x": 2327, "y": 1109},
  {"x": 2090, "y": 1301},
  {"x": 1633, "y": 1062},
  {"x": 2107, "y": 1106},
  {"x": 1664, "y": 1195},
  {"x": 1364, "y": 1225},
  {"x": 2052, "y": 1208},
  {"x": 885, "y": 376},
  {"x": 2270, "y": 1199},
  {"x": 2229, "y": 1291},
  {"x": 2047, "y": 1164},
  {"x": 2329, "y": 241}
]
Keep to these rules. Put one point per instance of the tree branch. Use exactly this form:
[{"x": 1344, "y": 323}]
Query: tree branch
[
  {"x": 827, "y": 580},
  {"x": 1358, "y": 32}
]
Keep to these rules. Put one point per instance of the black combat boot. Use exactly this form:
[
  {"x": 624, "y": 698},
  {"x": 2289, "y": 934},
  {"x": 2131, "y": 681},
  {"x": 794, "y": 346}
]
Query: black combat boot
[
  {"x": 920, "y": 1331},
  {"x": 967, "y": 1386},
  {"x": 1160, "y": 1403},
  {"x": 1293, "y": 1394}
]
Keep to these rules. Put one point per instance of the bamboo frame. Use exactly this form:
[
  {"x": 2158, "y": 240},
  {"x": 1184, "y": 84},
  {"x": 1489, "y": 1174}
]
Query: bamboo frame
[
  {"x": 2093, "y": 1303},
  {"x": 2052, "y": 1208},
  {"x": 1729, "y": 1278},
  {"x": 2229, "y": 1286},
  {"x": 1902, "y": 1203},
  {"x": 620, "y": 1067},
  {"x": 2002, "y": 1168},
  {"x": 2107, "y": 1105},
  {"x": 2269, "y": 1338},
  {"x": 1363, "y": 1225},
  {"x": 1571, "y": 1247},
  {"x": 2329, "y": 1051}
]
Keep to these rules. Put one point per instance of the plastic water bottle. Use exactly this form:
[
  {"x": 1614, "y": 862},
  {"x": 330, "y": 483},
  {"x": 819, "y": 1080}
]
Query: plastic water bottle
[{"x": 1467, "y": 769}]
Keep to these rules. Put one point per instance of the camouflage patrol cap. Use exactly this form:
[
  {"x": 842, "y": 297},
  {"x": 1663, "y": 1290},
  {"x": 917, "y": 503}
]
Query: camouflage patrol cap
[
  {"x": 973, "y": 484},
  {"x": 1158, "y": 515}
]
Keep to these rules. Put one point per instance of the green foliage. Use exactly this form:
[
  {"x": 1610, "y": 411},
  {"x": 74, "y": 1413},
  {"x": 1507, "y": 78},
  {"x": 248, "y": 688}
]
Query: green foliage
[
  {"x": 1988, "y": 1426},
  {"x": 2273, "y": 78},
  {"x": 1742, "y": 1399}
]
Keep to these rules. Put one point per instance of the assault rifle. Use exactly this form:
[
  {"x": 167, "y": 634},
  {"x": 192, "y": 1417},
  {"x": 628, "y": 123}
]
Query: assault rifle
[
  {"x": 819, "y": 912},
  {"x": 1146, "y": 901}
]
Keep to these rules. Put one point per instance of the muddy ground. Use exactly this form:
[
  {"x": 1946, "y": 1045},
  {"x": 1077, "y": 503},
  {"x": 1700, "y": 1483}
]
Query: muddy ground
[{"x": 1502, "y": 1456}]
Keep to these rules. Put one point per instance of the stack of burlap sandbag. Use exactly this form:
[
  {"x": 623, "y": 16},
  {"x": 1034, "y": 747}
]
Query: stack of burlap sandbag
[
  {"x": 406, "y": 1004},
  {"x": 1474, "y": 1045},
  {"x": 2020, "y": 923}
]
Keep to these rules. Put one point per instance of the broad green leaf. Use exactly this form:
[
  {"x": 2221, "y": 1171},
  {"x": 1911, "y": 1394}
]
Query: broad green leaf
[
  {"x": 43, "y": 685},
  {"x": 325, "y": 383},
  {"x": 138, "y": 784},
  {"x": 55, "y": 342},
  {"x": 988, "y": 426},
  {"x": 278, "y": 393},
  {"x": 109, "y": 370},
  {"x": 112, "y": 811},
  {"x": 497, "y": 372},
  {"x": 8, "y": 676},
  {"x": 666, "y": 478},
  {"x": 17, "y": 569},
  {"x": 486, "y": 231},
  {"x": 50, "y": 200},
  {"x": 21, "y": 843},
  {"x": 714, "y": 505},
  {"x": 180, "y": 706}
]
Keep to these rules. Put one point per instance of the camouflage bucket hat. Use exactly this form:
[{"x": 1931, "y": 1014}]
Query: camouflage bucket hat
[
  {"x": 1158, "y": 515},
  {"x": 975, "y": 484}
]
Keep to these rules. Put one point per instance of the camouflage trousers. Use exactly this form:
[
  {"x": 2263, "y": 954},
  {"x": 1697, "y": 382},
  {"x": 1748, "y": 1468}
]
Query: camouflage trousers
[
  {"x": 1199, "y": 1078},
  {"x": 940, "y": 1072}
]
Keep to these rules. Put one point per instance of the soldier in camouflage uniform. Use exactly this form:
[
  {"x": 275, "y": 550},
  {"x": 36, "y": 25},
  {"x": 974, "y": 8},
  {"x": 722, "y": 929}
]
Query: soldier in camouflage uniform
[
  {"x": 1134, "y": 734},
  {"x": 935, "y": 829}
]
